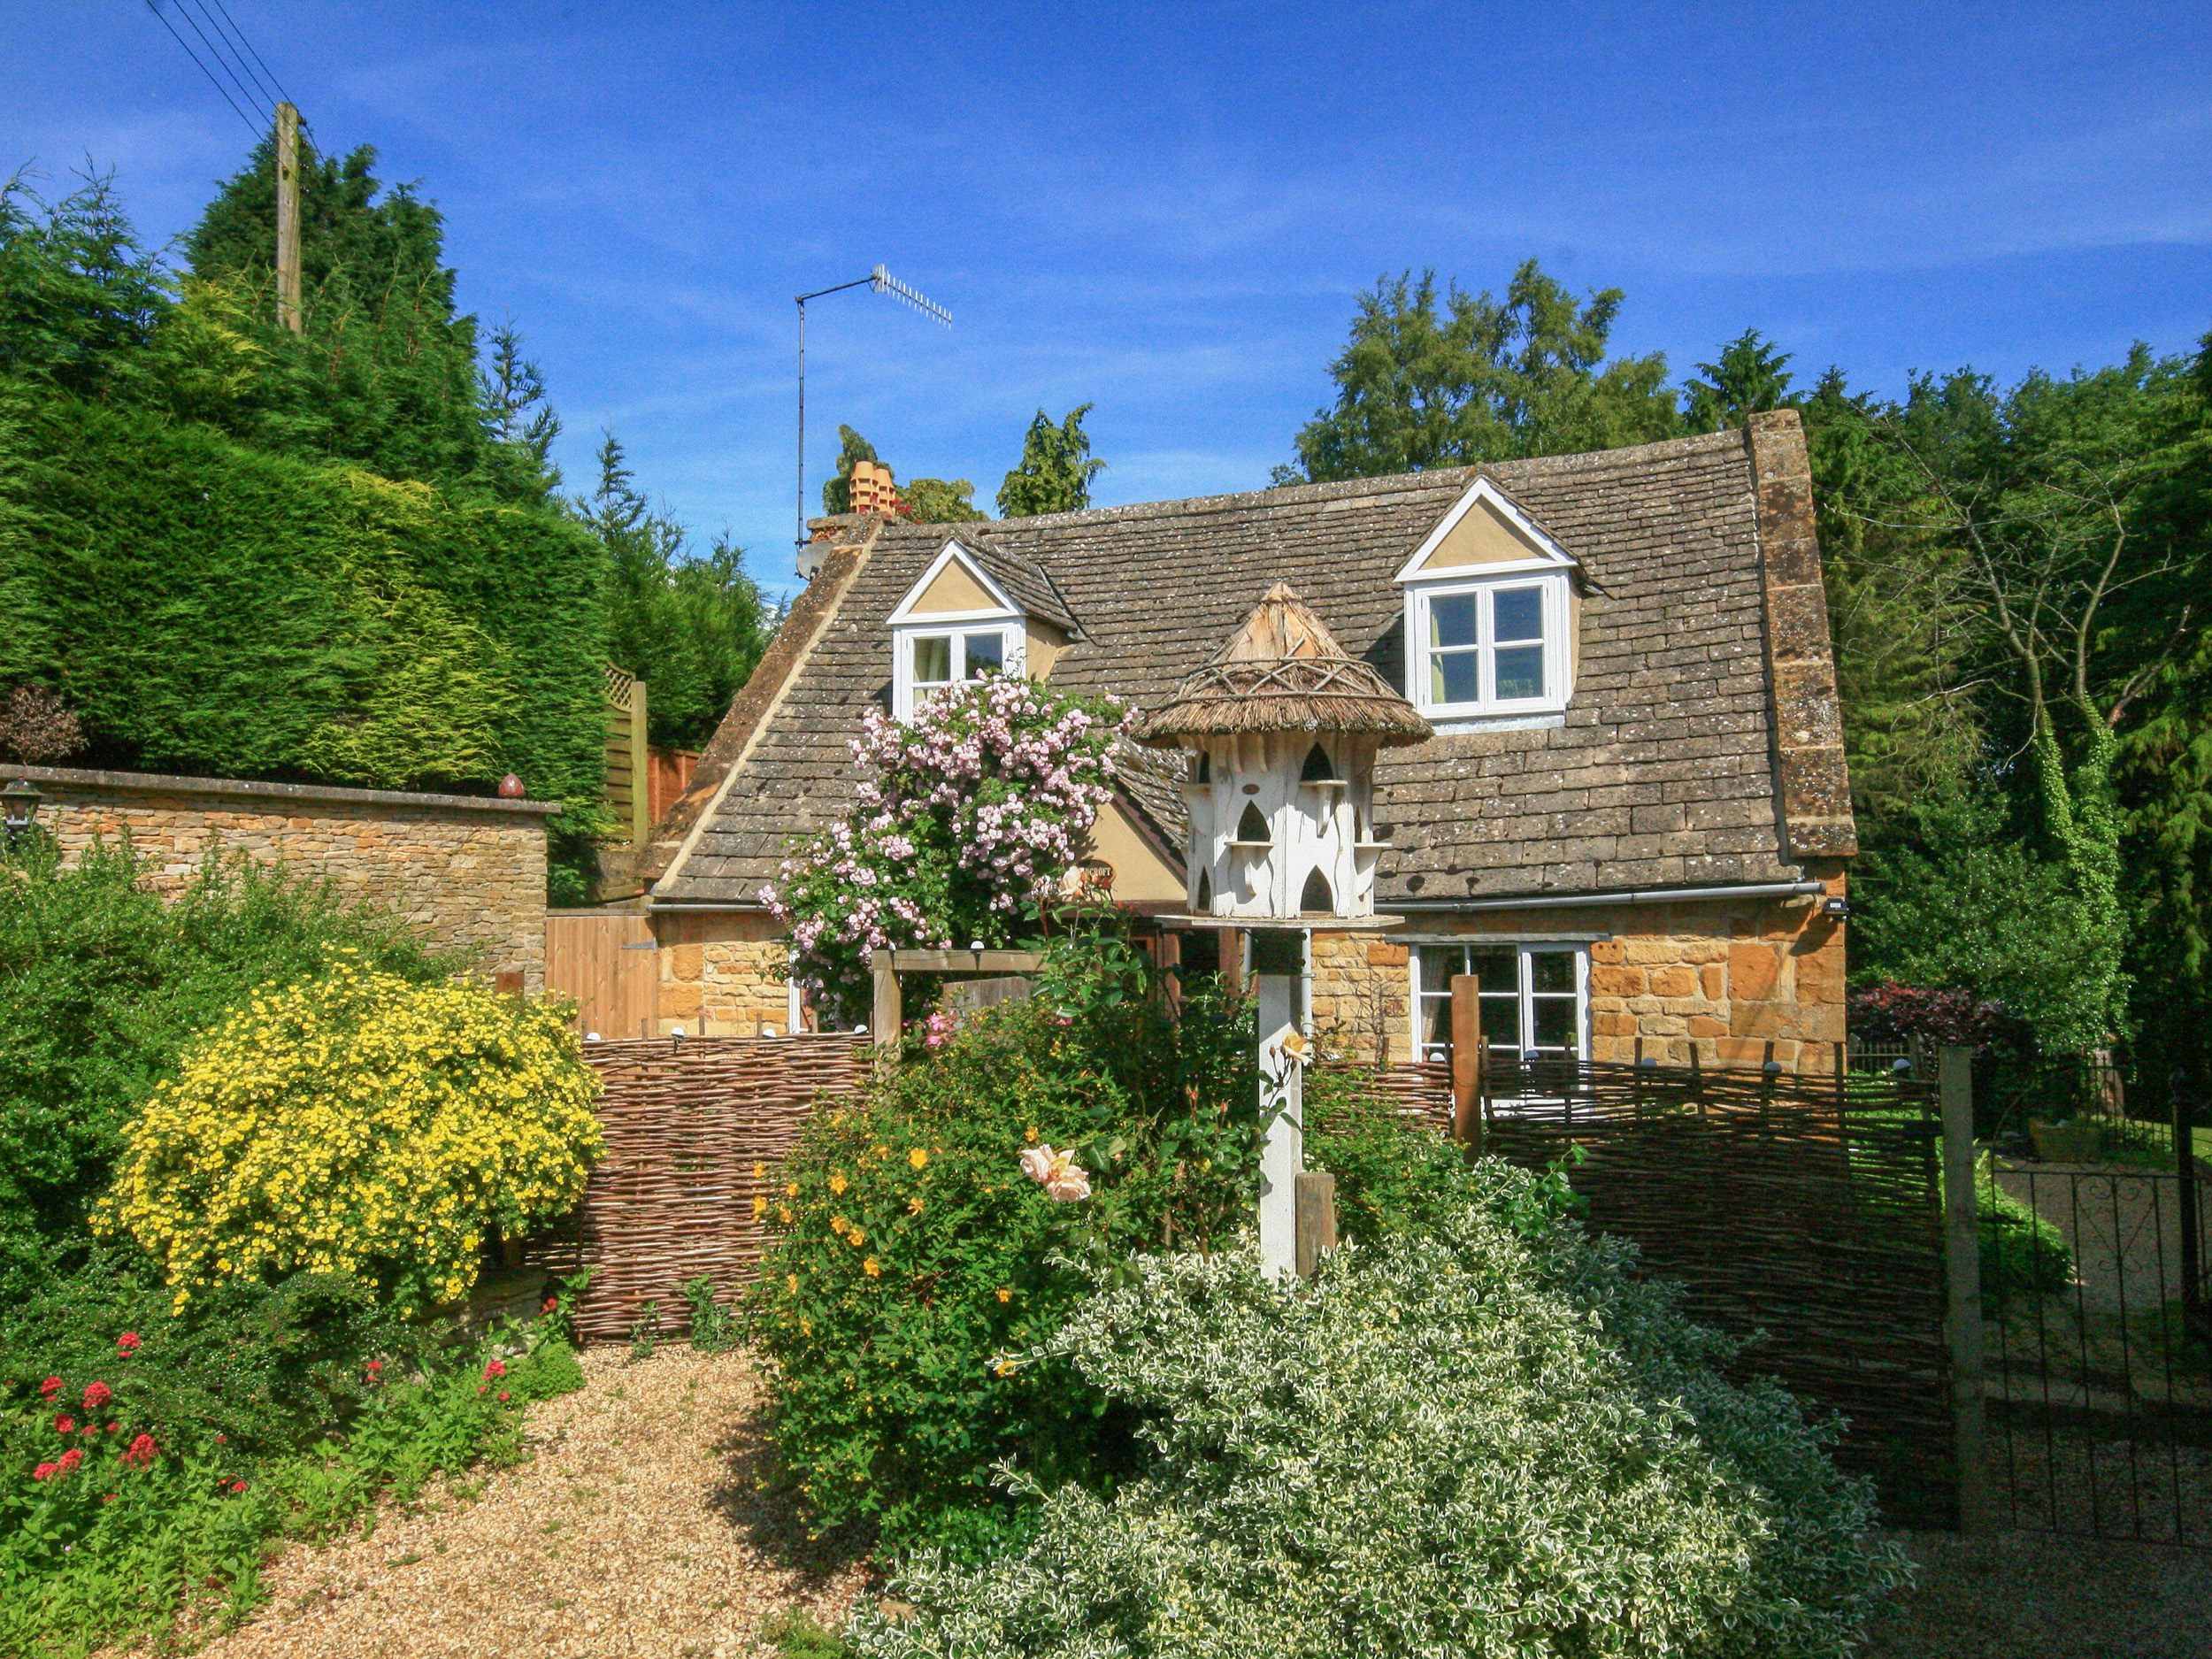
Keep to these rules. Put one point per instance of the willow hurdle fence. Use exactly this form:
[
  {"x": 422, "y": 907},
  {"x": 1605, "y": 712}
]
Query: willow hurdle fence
[
  {"x": 1803, "y": 1214},
  {"x": 686, "y": 1122}
]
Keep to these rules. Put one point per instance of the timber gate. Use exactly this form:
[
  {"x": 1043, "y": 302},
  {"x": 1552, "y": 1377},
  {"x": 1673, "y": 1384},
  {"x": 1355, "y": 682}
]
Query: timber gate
[{"x": 1803, "y": 1214}]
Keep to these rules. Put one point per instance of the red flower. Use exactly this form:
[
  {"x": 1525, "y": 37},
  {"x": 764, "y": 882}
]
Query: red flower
[
  {"x": 50, "y": 1389},
  {"x": 480, "y": 1387},
  {"x": 497, "y": 1368},
  {"x": 237, "y": 1485},
  {"x": 64, "y": 1424},
  {"x": 97, "y": 1395},
  {"x": 503, "y": 1397},
  {"x": 142, "y": 1452},
  {"x": 220, "y": 1439},
  {"x": 376, "y": 1370},
  {"x": 113, "y": 1426},
  {"x": 70, "y": 1458},
  {"x": 128, "y": 1343},
  {"x": 45, "y": 1471},
  {"x": 551, "y": 1302},
  {"x": 109, "y": 1498}
]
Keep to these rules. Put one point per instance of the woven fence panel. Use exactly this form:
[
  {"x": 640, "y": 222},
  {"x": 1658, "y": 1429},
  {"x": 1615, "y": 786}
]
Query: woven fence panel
[
  {"x": 1784, "y": 1211},
  {"x": 685, "y": 1124}
]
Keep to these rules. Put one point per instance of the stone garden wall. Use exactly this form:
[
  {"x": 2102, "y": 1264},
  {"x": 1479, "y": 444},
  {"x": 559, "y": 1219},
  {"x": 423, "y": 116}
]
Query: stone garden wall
[{"x": 466, "y": 871}]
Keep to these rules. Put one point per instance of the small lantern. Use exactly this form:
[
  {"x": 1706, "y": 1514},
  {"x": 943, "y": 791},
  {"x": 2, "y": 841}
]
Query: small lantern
[
  {"x": 1281, "y": 800},
  {"x": 19, "y": 804}
]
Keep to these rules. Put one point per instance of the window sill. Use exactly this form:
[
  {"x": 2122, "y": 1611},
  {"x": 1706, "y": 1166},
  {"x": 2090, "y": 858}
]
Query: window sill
[{"x": 1463, "y": 725}]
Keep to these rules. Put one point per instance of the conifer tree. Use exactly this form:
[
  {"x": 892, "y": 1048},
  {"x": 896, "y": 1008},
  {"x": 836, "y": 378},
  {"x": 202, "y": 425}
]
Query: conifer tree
[{"x": 1055, "y": 472}]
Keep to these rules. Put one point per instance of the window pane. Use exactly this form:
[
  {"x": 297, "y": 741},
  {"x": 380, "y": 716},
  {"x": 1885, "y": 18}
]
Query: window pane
[
  {"x": 1521, "y": 672},
  {"x": 1452, "y": 677},
  {"x": 987, "y": 654},
  {"x": 1436, "y": 1022},
  {"x": 933, "y": 662},
  {"x": 1551, "y": 971},
  {"x": 1520, "y": 615},
  {"x": 1555, "y": 1022},
  {"x": 1502, "y": 1020},
  {"x": 1452, "y": 620},
  {"x": 1500, "y": 971}
]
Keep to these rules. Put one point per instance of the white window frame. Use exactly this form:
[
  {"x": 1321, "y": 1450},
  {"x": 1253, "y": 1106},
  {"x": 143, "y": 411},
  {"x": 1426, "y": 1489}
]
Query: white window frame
[
  {"x": 1555, "y": 616},
  {"x": 1525, "y": 994},
  {"x": 1003, "y": 618}
]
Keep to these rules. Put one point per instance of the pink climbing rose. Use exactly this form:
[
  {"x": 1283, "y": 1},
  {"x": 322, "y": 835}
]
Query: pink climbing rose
[{"x": 1057, "y": 1172}]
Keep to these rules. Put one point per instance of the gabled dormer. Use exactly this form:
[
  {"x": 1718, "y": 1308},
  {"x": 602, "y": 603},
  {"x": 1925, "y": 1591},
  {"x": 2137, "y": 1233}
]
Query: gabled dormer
[
  {"x": 973, "y": 611},
  {"x": 1493, "y": 610}
]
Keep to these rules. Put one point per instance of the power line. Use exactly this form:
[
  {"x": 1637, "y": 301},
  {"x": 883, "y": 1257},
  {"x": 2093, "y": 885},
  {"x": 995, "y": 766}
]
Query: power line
[
  {"x": 216, "y": 51},
  {"x": 267, "y": 76},
  {"x": 251, "y": 126}
]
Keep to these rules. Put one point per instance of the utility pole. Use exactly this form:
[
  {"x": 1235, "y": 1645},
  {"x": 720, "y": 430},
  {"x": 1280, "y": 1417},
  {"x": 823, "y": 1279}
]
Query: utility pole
[{"x": 287, "y": 241}]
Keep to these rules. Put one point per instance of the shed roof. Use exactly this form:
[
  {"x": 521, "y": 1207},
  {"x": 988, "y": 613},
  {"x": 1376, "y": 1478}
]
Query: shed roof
[{"x": 1702, "y": 745}]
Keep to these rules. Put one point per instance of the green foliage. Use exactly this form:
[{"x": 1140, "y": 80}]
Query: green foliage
[
  {"x": 1749, "y": 379},
  {"x": 796, "y": 1636},
  {"x": 837, "y": 491},
  {"x": 691, "y": 626},
  {"x": 2021, "y": 1253},
  {"x": 1459, "y": 1439},
  {"x": 715, "y": 1329},
  {"x": 940, "y": 500},
  {"x": 103, "y": 985},
  {"x": 1055, "y": 472},
  {"x": 268, "y": 1412},
  {"x": 1490, "y": 381},
  {"x": 911, "y": 1255}
]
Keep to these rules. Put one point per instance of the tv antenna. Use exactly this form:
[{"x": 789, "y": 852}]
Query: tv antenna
[{"x": 883, "y": 282}]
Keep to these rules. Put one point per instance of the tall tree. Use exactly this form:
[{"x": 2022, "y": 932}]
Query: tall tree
[
  {"x": 837, "y": 489},
  {"x": 1055, "y": 472},
  {"x": 1750, "y": 379},
  {"x": 1481, "y": 379},
  {"x": 940, "y": 500},
  {"x": 691, "y": 626}
]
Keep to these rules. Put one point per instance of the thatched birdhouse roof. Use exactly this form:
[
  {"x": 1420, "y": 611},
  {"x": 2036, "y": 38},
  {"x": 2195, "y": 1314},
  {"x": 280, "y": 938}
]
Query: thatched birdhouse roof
[{"x": 1283, "y": 671}]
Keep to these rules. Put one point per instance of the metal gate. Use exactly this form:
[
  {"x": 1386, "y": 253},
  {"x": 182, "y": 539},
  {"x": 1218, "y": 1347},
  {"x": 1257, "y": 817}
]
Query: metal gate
[{"x": 2097, "y": 1352}]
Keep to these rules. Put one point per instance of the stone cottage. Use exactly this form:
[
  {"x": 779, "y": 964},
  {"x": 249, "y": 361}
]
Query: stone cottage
[{"x": 1633, "y": 821}]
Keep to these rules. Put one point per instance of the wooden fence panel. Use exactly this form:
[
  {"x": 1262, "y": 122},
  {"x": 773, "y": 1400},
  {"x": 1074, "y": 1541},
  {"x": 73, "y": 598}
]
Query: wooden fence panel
[
  {"x": 606, "y": 964},
  {"x": 687, "y": 1123}
]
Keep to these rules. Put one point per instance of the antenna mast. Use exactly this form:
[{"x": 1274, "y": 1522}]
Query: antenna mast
[{"x": 882, "y": 282}]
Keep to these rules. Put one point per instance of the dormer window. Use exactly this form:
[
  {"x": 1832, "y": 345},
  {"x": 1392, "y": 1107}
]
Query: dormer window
[
  {"x": 956, "y": 623},
  {"x": 1491, "y": 606}
]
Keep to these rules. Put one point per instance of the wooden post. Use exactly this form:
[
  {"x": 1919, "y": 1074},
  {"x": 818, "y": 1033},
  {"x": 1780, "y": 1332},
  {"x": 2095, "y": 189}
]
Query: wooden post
[
  {"x": 287, "y": 224},
  {"x": 887, "y": 1019},
  {"x": 1963, "y": 1287},
  {"x": 641, "y": 769},
  {"x": 1466, "y": 990},
  {"x": 1316, "y": 1219},
  {"x": 1232, "y": 961}
]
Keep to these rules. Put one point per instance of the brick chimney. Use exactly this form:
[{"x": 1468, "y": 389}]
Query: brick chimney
[{"x": 872, "y": 488}]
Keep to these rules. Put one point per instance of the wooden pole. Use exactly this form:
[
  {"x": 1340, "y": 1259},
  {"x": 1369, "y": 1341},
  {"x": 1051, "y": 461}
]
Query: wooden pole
[
  {"x": 1963, "y": 1287},
  {"x": 287, "y": 224},
  {"x": 1466, "y": 990},
  {"x": 1316, "y": 1219},
  {"x": 641, "y": 769},
  {"x": 888, "y": 1018}
]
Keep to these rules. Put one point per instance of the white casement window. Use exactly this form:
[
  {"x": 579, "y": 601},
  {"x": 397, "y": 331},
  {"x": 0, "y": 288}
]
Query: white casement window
[
  {"x": 1535, "y": 998},
  {"x": 1495, "y": 646},
  {"x": 930, "y": 658}
]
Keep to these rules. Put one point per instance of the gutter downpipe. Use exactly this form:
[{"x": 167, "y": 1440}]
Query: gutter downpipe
[{"x": 1650, "y": 895}]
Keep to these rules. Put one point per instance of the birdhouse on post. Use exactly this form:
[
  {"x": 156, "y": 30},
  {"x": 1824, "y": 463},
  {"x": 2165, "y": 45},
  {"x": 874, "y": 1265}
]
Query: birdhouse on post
[{"x": 1286, "y": 728}]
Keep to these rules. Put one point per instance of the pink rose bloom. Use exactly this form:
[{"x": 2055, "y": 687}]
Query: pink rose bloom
[{"x": 1057, "y": 1172}]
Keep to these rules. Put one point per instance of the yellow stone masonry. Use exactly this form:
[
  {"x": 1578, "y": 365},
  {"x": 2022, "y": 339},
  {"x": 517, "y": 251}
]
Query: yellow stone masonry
[
  {"x": 721, "y": 972},
  {"x": 467, "y": 876}
]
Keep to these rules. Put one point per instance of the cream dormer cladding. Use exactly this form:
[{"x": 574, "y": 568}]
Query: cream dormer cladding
[
  {"x": 1492, "y": 613},
  {"x": 973, "y": 612}
]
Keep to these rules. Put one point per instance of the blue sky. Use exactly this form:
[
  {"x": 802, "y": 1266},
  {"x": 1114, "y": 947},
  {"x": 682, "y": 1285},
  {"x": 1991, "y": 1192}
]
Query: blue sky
[{"x": 1167, "y": 210}]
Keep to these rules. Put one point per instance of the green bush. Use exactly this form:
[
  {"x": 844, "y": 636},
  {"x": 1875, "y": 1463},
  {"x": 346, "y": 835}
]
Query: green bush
[
  {"x": 266, "y": 1412},
  {"x": 2022, "y": 1253},
  {"x": 909, "y": 1248},
  {"x": 1459, "y": 1439},
  {"x": 102, "y": 985}
]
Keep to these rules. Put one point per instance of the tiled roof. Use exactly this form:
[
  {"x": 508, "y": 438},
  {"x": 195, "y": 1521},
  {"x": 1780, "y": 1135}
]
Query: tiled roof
[
  {"x": 1025, "y": 581},
  {"x": 1669, "y": 768}
]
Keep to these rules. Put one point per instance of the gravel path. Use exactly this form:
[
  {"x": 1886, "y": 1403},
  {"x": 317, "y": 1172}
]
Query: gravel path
[
  {"x": 636, "y": 1530},
  {"x": 2029, "y": 1596}
]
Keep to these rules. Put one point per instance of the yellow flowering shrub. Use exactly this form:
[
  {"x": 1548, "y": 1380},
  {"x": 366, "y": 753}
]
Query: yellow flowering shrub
[{"x": 357, "y": 1123}]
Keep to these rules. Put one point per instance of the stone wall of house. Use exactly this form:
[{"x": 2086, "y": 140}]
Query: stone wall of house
[
  {"x": 468, "y": 874},
  {"x": 721, "y": 972},
  {"x": 1726, "y": 978}
]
